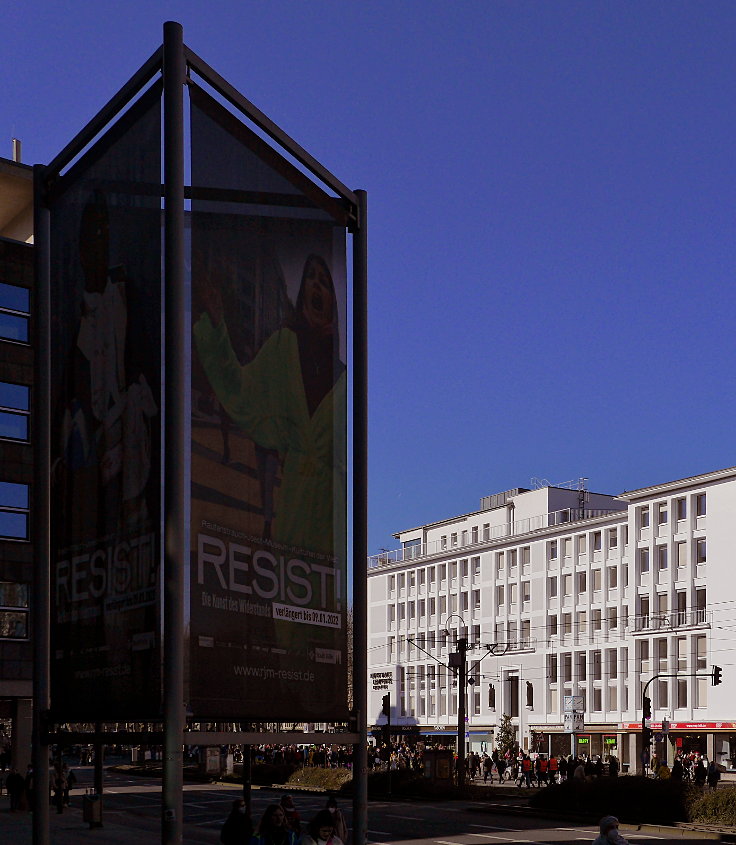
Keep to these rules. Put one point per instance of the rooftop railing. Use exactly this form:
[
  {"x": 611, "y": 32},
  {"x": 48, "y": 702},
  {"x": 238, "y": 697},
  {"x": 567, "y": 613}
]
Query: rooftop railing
[{"x": 495, "y": 532}]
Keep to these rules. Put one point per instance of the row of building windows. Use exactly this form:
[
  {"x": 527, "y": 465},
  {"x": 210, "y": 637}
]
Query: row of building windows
[
  {"x": 432, "y": 607},
  {"x": 432, "y": 577},
  {"x": 680, "y": 508}
]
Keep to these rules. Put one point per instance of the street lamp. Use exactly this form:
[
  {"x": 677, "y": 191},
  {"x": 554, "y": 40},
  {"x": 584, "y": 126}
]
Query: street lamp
[{"x": 458, "y": 664}]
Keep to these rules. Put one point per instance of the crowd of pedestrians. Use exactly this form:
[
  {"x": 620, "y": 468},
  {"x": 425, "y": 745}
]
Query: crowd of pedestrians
[
  {"x": 692, "y": 767},
  {"x": 281, "y": 824}
]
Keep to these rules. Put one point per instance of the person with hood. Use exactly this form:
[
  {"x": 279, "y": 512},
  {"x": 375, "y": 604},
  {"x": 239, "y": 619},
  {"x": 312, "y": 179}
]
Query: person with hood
[
  {"x": 238, "y": 827},
  {"x": 609, "y": 832},
  {"x": 341, "y": 828}
]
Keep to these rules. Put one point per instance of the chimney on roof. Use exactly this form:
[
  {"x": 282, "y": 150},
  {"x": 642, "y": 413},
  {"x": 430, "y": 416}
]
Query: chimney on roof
[{"x": 16, "y": 150}]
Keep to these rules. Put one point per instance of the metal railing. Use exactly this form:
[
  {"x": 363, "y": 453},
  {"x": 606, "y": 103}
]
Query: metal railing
[
  {"x": 496, "y": 532},
  {"x": 670, "y": 620}
]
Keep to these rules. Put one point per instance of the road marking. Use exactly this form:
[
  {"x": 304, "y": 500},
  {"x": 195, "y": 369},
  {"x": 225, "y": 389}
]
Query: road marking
[
  {"x": 492, "y": 827},
  {"x": 406, "y": 818},
  {"x": 379, "y": 833}
]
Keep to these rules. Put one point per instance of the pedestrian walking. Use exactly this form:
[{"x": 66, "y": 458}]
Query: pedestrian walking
[
  {"x": 609, "y": 832},
  {"x": 272, "y": 828},
  {"x": 321, "y": 831},
  {"x": 293, "y": 820},
  {"x": 15, "y": 785},
  {"x": 238, "y": 828},
  {"x": 713, "y": 775},
  {"x": 338, "y": 819}
]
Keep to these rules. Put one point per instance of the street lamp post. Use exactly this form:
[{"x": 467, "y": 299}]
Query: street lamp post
[{"x": 458, "y": 662}]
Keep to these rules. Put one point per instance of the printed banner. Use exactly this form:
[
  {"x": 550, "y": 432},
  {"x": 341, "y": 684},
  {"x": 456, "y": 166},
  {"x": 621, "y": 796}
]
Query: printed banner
[
  {"x": 268, "y": 621},
  {"x": 105, "y": 405}
]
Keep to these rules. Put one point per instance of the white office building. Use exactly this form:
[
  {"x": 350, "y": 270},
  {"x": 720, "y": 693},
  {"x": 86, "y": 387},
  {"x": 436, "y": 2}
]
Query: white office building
[{"x": 562, "y": 592}]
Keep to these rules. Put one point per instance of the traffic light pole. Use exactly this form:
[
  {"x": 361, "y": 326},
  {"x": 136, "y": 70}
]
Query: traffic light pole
[
  {"x": 461, "y": 665},
  {"x": 646, "y": 704}
]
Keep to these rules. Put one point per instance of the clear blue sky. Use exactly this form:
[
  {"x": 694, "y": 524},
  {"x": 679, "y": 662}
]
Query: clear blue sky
[{"x": 552, "y": 196}]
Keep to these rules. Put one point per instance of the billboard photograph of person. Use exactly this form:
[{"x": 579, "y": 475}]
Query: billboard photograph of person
[
  {"x": 105, "y": 443},
  {"x": 269, "y": 468}
]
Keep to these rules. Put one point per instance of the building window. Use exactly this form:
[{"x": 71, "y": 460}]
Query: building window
[
  {"x": 644, "y": 517},
  {"x": 597, "y": 541},
  {"x": 567, "y": 547},
  {"x": 500, "y": 562},
  {"x": 682, "y": 694},
  {"x": 15, "y": 309},
  {"x": 596, "y": 619},
  {"x": 464, "y": 568},
  {"x": 567, "y": 585},
  {"x": 474, "y": 534},
  {"x": 582, "y": 625},
  {"x": 552, "y": 550},
  {"x": 612, "y": 538},
  {"x": 552, "y": 586},
  {"x": 512, "y": 559},
  {"x": 476, "y": 599},
  {"x": 529, "y": 694},
  {"x": 643, "y": 560},
  {"x": 582, "y": 666},
  {"x": 412, "y": 549},
  {"x": 491, "y": 697},
  {"x": 13, "y": 611},
  {"x": 476, "y": 567},
  {"x": 567, "y": 668},
  {"x": 681, "y": 654},
  {"x": 612, "y": 618},
  {"x": 432, "y": 606},
  {"x": 662, "y": 513},
  {"x": 464, "y": 538},
  {"x": 582, "y": 582},
  {"x": 662, "y": 557},
  {"x": 453, "y": 539},
  {"x": 701, "y": 656},
  {"x": 681, "y": 555},
  {"x": 681, "y": 505},
  {"x": 14, "y": 507},
  {"x": 700, "y": 551},
  {"x": 596, "y": 575},
  {"x": 597, "y": 699},
  {"x": 582, "y": 544},
  {"x": 552, "y": 668},
  {"x": 513, "y": 595},
  {"x": 14, "y": 410},
  {"x": 499, "y": 595},
  {"x": 526, "y": 591},
  {"x": 443, "y": 541},
  {"x": 526, "y": 555},
  {"x": 612, "y": 577},
  {"x": 487, "y": 531},
  {"x": 566, "y": 623},
  {"x": 552, "y": 625},
  {"x": 700, "y": 504}
]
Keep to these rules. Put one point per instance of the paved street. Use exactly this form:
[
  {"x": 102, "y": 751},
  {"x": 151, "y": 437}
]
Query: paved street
[{"x": 132, "y": 813}]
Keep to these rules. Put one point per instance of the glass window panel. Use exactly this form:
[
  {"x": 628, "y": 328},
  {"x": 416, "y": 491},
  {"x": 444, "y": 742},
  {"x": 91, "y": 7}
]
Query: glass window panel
[
  {"x": 13, "y": 625},
  {"x": 13, "y": 525},
  {"x": 13, "y": 495},
  {"x": 13, "y": 595},
  {"x": 13, "y": 328},
  {"x": 14, "y": 426},
  {"x": 15, "y": 298},
  {"x": 15, "y": 396}
]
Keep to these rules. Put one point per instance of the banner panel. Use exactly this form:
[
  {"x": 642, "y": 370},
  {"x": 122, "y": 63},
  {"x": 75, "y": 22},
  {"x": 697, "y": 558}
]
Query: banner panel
[
  {"x": 268, "y": 614},
  {"x": 106, "y": 403}
]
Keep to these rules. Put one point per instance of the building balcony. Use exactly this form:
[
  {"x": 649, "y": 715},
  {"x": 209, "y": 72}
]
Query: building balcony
[{"x": 670, "y": 621}]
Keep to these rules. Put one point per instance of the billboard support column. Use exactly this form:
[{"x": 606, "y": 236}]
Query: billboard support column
[
  {"x": 175, "y": 557},
  {"x": 41, "y": 510},
  {"x": 360, "y": 519}
]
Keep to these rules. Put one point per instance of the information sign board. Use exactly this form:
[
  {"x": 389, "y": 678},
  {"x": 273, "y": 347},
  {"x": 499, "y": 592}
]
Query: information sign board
[{"x": 574, "y": 702}]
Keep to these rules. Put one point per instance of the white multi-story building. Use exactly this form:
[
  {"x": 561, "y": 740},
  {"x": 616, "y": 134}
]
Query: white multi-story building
[{"x": 563, "y": 592}]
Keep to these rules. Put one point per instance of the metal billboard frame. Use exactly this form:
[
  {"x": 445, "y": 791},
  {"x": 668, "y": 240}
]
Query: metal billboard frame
[{"x": 174, "y": 62}]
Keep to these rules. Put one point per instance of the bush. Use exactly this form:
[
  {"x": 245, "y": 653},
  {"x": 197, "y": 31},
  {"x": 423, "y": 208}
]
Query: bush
[
  {"x": 714, "y": 807},
  {"x": 634, "y": 800},
  {"x": 328, "y": 780}
]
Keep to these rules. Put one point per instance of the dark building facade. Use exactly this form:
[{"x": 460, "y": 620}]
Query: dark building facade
[{"x": 16, "y": 460}]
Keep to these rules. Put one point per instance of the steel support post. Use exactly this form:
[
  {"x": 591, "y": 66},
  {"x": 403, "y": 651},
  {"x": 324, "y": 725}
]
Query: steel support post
[
  {"x": 360, "y": 520},
  {"x": 462, "y": 680},
  {"x": 41, "y": 510},
  {"x": 176, "y": 332}
]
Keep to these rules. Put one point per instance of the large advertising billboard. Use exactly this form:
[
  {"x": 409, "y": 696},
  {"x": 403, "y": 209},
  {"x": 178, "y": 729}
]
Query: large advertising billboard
[
  {"x": 105, "y": 406},
  {"x": 268, "y": 614}
]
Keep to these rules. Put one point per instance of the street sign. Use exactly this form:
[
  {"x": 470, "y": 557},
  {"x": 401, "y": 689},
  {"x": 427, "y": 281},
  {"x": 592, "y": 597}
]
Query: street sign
[
  {"x": 574, "y": 723},
  {"x": 574, "y": 702}
]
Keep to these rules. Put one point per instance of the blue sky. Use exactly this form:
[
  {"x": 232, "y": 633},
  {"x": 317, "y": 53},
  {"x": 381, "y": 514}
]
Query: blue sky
[{"x": 552, "y": 202}]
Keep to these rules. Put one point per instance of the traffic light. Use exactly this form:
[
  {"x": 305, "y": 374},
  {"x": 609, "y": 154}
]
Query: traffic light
[
  {"x": 646, "y": 737},
  {"x": 386, "y": 709},
  {"x": 647, "y": 707},
  {"x": 716, "y": 679}
]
